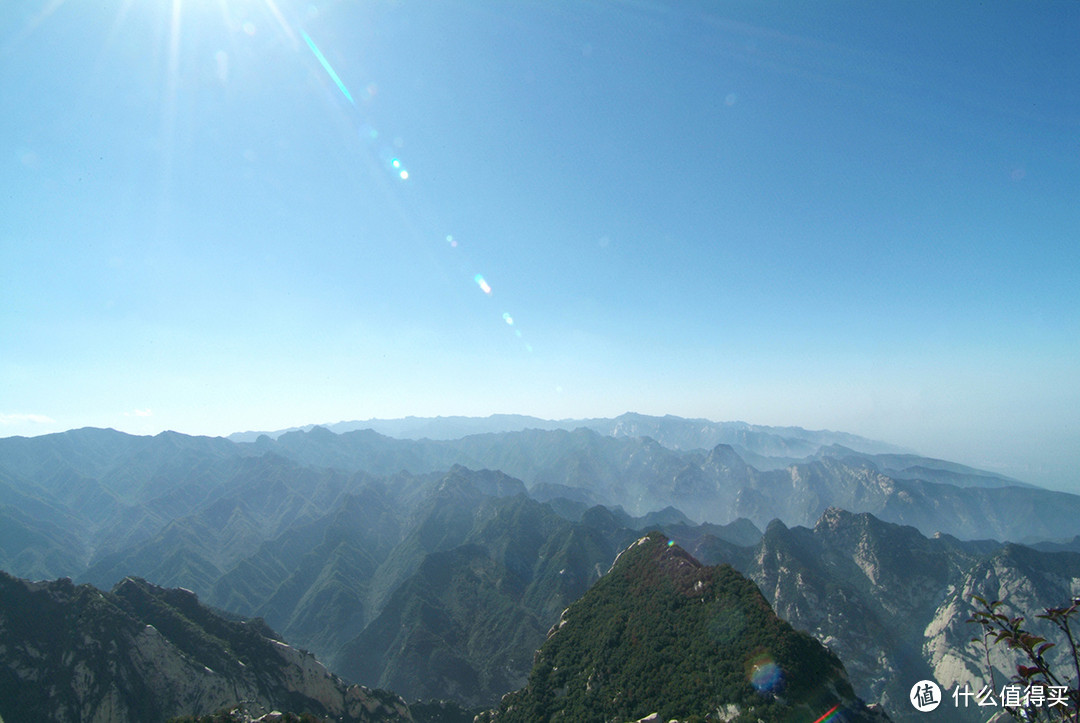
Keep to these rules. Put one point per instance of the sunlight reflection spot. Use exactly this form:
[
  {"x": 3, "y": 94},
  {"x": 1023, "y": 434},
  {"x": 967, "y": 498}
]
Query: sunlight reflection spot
[
  {"x": 482, "y": 283},
  {"x": 507, "y": 318},
  {"x": 249, "y": 27}
]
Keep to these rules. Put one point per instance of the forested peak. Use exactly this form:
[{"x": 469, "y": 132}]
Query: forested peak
[{"x": 662, "y": 633}]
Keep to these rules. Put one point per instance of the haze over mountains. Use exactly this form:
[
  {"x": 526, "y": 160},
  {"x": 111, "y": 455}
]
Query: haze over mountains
[
  {"x": 724, "y": 470},
  {"x": 434, "y": 567},
  {"x": 670, "y": 431}
]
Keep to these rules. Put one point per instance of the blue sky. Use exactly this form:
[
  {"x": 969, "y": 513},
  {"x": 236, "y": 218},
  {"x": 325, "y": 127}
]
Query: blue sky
[{"x": 856, "y": 216}]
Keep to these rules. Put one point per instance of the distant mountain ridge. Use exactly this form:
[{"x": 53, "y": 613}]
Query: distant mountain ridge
[
  {"x": 87, "y": 498},
  {"x": 671, "y": 431},
  {"x": 914, "y": 467},
  {"x": 717, "y": 485}
]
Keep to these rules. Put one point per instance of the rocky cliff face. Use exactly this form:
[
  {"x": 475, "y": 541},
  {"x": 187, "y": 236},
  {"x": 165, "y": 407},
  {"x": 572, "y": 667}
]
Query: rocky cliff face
[
  {"x": 894, "y": 604},
  {"x": 1028, "y": 582},
  {"x": 142, "y": 653}
]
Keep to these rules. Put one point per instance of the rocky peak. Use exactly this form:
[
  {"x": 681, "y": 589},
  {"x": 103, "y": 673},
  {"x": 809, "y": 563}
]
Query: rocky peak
[
  {"x": 723, "y": 457},
  {"x": 469, "y": 483},
  {"x": 832, "y": 519}
]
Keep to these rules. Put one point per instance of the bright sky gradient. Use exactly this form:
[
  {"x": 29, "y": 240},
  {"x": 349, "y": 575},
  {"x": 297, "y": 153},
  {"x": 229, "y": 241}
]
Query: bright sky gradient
[{"x": 221, "y": 215}]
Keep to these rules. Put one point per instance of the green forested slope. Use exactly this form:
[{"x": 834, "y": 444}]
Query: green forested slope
[{"x": 660, "y": 633}]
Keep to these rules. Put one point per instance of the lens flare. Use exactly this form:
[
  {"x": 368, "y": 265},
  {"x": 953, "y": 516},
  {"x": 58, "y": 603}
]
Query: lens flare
[
  {"x": 764, "y": 674},
  {"x": 388, "y": 153},
  {"x": 829, "y": 714},
  {"x": 326, "y": 66},
  {"x": 394, "y": 164}
]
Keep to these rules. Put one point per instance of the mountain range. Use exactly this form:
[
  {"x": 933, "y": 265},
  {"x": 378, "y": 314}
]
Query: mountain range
[
  {"x": 670, "y": 431},
  {"x": 434, "y": 567}
]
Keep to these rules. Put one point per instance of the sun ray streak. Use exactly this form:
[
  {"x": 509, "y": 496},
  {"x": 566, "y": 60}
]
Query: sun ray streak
[
  {"x": 326, "y": 66},
  {"x": 285, "y": 24},
  {"x": 174, "y": 39},
  {"x": 172, "y": 87},
  {"x": 388, "y": 155},
  {"x": 33, "y": 23}
]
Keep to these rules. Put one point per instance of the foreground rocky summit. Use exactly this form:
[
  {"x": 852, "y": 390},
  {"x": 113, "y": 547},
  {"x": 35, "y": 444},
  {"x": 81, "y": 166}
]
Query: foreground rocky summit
[
  {"x": 663, "y": 634},
  {"x": 142, "y": 653}
]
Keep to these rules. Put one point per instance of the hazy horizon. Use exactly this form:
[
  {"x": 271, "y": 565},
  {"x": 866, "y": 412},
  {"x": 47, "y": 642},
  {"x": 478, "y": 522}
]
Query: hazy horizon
[
  {"x": 258, "y": 214},
  {"x": 1042, "y": 476}
]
